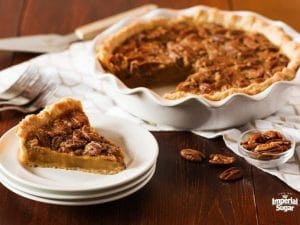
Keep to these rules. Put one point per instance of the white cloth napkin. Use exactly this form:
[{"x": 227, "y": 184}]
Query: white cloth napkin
[{"x": 73, "y": 70}]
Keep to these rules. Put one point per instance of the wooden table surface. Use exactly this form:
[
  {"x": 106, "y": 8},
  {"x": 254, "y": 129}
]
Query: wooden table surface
[{"x": 180, "y": 192}]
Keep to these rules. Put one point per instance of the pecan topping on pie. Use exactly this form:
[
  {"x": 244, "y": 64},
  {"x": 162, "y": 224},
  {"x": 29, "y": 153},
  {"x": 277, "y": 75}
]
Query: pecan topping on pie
[
  {"x": 201, "y": 57},
  {"x": 72, "y": 133},
  {"x": 61, "y": 136}
]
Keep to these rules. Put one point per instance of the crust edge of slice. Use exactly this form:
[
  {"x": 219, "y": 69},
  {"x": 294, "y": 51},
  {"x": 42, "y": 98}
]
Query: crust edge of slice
[{"x": 45, "y": 157}]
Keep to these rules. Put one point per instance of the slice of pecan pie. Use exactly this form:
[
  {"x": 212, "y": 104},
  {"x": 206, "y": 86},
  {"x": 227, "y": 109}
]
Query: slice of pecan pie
[
  {"x": 60, "y": 136},
  {"x": 212, "y": 53}
]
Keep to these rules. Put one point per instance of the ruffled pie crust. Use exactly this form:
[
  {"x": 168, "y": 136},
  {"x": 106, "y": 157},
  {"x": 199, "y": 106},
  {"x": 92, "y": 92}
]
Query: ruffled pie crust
[
  {"x": 229, "y": 20},
  {"x": 45, "y": 157}
]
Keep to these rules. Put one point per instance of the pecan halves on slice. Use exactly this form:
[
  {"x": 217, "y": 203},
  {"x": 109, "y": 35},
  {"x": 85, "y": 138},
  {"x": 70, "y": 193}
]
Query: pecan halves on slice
[
  {"x": 90, "y": 134},
  {"x": 192, "y": 155},
  {"x": 231, "y": 174},
  {"x": 56, "y": 141},
  {"x": 219, "y": 159},
  {"x": 44, "y": 138},
  {"x": 74, "y": 144}
]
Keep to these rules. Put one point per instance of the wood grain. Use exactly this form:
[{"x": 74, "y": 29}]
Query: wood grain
[
  {"x": 266, "y": 188},
  {"x": 10, "y": 14},
  {"x": 287, "y": 11},
  {"x": 180, "y": 192},
  {"x": 222, "y": 4}
]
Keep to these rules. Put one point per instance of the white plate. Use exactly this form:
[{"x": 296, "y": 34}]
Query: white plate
[
  {"x": 94, "y": 201},
  {"x": 71, "y": 196},
  {"x": 140, "y": 146}
]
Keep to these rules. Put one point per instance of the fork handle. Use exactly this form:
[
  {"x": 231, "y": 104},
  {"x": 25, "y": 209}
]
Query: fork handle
[
  {"x": 17, "y": 108},
  {"x": 90, "y": 30}
]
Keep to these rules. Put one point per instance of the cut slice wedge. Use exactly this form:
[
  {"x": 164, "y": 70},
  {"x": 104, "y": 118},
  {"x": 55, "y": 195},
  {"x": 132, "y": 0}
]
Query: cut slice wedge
[{"x": 60, "y": 136}]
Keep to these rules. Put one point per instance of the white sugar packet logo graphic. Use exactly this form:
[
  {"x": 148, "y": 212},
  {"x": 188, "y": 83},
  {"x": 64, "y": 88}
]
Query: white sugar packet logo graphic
[{"x": 286, "y": 203}]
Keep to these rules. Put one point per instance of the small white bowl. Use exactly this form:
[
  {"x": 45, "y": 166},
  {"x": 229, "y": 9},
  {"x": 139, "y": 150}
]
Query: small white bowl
[{"x": 265, "y": 163}]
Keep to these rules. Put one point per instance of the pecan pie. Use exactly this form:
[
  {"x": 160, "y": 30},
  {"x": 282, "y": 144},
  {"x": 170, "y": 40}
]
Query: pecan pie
[
  {"x": 213, "y": 54},
  {"x": 60, "y": 136}
]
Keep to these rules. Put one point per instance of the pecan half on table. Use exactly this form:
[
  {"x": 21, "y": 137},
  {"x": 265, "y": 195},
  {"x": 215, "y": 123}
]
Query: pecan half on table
[
  {"x": 231, "y": 174},
  {"x": 220, "y": 159},
  {"x": 192, "y": 155}
]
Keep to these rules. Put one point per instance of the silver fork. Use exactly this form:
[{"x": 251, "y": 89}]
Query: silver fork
[
  {"x": 40, "y": 102},
  {"x": 33, "y": 88},
  {"x": 20, "y": 85}
]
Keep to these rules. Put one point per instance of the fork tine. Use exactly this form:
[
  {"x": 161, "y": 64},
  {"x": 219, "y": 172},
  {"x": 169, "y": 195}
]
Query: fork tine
[
  {"x": 45, "y": 95},
  {"x": 40, "y": 102},
  {"x": 12, "y": 107},
  {"x": 29, "y": 94},
  {"x": 16, "y": 88},
  {"x": 9, "y": 93}
]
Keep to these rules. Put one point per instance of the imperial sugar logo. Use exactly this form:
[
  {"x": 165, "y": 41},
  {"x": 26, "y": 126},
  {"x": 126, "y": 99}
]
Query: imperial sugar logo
[{"x": 285, "y": 202}]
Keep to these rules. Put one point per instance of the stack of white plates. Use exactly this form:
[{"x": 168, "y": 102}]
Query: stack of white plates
[{"x": 66, "y": 187}]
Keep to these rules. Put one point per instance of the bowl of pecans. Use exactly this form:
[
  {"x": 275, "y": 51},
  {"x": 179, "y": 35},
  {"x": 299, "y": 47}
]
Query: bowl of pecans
[{"x": 266, "y": 148}]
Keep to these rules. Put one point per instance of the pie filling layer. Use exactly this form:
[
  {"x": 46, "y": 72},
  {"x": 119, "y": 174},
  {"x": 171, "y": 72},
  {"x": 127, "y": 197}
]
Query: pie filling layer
[
  {"x": 67, "y": 141},
  {"x": 201, "y": 59},
  {"x": 71, "y": 133}
]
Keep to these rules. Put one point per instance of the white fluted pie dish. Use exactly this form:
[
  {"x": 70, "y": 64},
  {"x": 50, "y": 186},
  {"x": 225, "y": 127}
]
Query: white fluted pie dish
[{"x": 194, "y": 112}]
